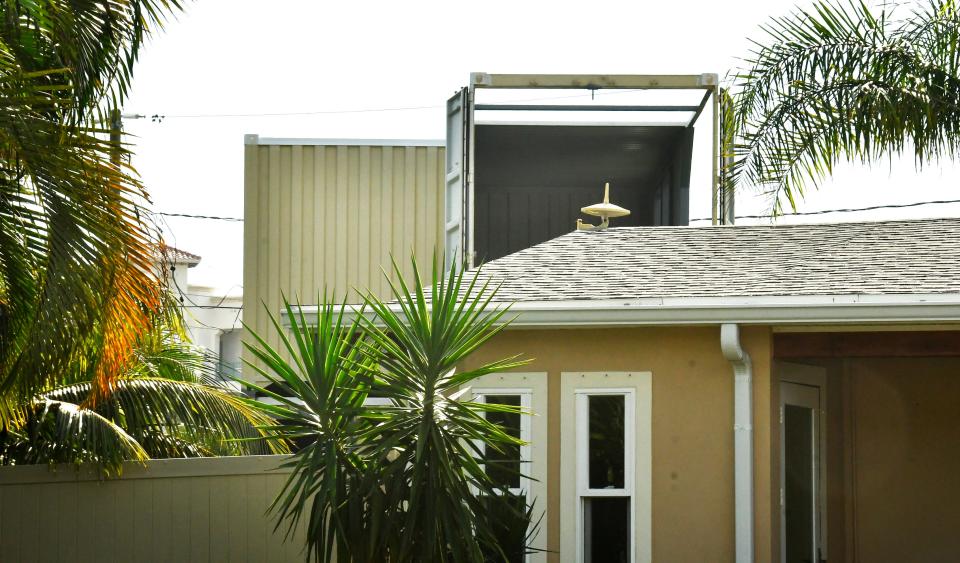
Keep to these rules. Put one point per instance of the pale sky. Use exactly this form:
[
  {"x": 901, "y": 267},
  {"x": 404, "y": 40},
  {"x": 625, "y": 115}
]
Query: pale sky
[{"x": 286, "y": 56}]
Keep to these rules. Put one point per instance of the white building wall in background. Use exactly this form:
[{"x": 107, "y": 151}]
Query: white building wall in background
[
  {"x": 214, "y": 321},
  {"x": 213, "y": 318}
]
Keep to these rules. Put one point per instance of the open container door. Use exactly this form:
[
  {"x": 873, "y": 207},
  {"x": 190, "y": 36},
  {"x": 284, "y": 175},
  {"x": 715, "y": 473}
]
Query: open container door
[{"x": 457, "y": 195}]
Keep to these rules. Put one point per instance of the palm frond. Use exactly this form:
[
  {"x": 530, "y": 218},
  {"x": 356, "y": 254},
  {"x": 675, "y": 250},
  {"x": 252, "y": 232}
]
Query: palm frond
[
  {"x": 60, "y": 431},
  {"x": 844, "y": 83},
  {"x": 98, "y": 41},
  {"x": 76, "y": 254},
  {"x": 77, "y": 286},
  {"x": 169, "y": 402},
  {"x": 161, "y": 412}
]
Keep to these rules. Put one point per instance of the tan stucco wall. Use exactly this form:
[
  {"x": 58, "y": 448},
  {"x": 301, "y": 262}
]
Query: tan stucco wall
[{"x": 692, "y": 426}]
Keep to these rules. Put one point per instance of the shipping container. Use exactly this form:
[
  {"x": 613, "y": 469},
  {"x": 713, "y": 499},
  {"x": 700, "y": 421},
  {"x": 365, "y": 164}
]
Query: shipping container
[
  {"x": 326, "y": 215},
  {"x": 519, "y": 171}
]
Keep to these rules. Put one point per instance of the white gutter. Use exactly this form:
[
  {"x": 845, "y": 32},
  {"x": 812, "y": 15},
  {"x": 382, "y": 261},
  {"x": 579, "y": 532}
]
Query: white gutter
[
  {"x": 742, "y": 440},
  {"x": 766, "y": 310}
]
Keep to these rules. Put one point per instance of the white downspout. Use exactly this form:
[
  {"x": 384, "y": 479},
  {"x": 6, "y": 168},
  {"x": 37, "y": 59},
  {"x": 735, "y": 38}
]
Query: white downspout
[{"x": 742, "y": 440}]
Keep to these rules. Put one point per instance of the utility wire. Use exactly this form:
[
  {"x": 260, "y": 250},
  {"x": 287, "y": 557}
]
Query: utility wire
[
  {"x": 193, "y": 305},
  {"x": 189, "y": 216},
  {"x": 184, "y": 298},
  {"x": 157, "y": 118},
  {"x": 298, "y": 113},
  {"x": 845, "y": 210},
  {"x": 799, "y": 213}
]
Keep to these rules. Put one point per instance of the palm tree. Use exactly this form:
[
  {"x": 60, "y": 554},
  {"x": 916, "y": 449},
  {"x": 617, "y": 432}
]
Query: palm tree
[
  {"x": 77, "y": 283},
  {"x": 93, "y": 366},
  {"x": 403, "y": 481},
  {"x": 169, "y": 403},
  {"x": 846, "y": 82}
]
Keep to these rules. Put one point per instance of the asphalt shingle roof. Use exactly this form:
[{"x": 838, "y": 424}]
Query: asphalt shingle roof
[{"x": 889, "y": 257}]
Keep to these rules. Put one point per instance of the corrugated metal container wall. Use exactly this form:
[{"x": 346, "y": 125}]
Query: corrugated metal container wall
[{"x": 328, "y": 214}]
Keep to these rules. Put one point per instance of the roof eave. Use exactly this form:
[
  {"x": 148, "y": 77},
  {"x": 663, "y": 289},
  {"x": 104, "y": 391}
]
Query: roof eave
[
  {"x": 773, "y": 313},
  {"x": 765, "y": 310}
]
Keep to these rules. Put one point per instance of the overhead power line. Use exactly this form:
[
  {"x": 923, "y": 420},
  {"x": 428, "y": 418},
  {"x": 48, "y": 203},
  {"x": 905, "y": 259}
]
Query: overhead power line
[
  {"x": 800, "y": 213},
  {"x": 190, "y": 216},
  {"x": 231, "y": 307},
  {"x": 185, "y": 301},
  {"x": 299, "y": 113},
  {"x": 158, "y": 118},
  {"x": 845, "y": 210}
]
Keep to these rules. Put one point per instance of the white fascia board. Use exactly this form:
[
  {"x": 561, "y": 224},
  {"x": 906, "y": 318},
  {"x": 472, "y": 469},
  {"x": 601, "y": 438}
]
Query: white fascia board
[
  {"x": 742, "y": 310},
  {"x": 767, "y": 310},
  {"x": 257, "y": 140}
]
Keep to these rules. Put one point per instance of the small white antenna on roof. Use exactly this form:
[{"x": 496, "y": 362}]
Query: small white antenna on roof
[{"x": 603, "y": 210}]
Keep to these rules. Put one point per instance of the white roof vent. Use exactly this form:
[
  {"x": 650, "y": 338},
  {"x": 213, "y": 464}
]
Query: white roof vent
[{"x": 603, "y": 210}]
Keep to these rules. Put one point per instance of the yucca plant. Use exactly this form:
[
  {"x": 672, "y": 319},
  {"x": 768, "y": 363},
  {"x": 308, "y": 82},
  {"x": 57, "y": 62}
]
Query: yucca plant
[
  {"x": 403, "y": 479},
  {"x": 845, "y": 82}
]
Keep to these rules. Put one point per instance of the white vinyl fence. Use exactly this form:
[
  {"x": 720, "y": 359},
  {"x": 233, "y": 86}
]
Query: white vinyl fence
[{"x": 172, "y": 510}]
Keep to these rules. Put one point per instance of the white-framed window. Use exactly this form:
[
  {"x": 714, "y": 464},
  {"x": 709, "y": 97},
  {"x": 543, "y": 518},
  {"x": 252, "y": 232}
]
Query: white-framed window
[
  {"x": 605, "y": 467},
  {"x": 605, "y": 474},
  {"x": 507, "y": 467},
  {"x": 521, "y": 471}
]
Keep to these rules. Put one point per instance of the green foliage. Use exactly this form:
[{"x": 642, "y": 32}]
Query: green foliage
[
  {"x": 93, "y": 366},
  {"x": 77, "y": 287},
  {"x": 401, "y": 482},
  {"x": 94, "y": 44},
  {"x": 844, "y": 82},
  {"x": 170, "y": 403}
]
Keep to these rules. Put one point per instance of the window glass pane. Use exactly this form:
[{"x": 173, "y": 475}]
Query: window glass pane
[
  {"x": 606, "y": 448},
  {"x": 798, "y": 482},
  {"x": 606, "y": 529},
  {"x": 510, "y": 527},
  {"x": 504, "y": 466}
]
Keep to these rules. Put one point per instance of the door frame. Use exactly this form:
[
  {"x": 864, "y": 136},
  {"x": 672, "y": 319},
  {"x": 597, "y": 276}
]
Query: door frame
[{"x": 810, "y": 376}]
